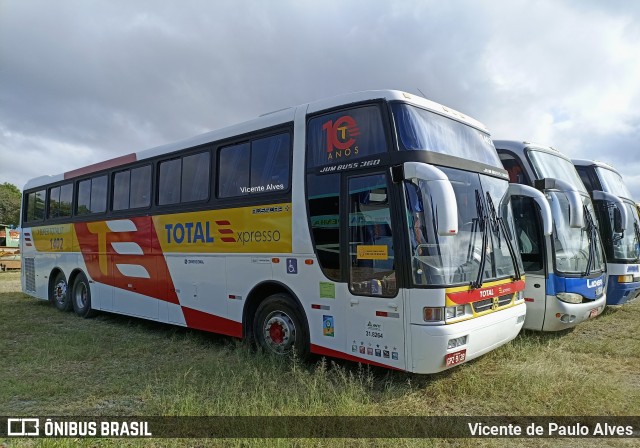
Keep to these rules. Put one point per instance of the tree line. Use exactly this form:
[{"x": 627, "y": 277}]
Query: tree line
[{"x": 10, "y": 199}]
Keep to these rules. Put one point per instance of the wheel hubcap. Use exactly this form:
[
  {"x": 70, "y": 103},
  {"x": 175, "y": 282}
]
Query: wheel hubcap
[
  {"x": 60, "y": 291},
  {"x": 279, "y": 332}
]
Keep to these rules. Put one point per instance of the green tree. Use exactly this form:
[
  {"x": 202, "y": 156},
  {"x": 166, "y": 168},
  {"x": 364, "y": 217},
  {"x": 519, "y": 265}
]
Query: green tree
[{"x": 10, "y": 199}]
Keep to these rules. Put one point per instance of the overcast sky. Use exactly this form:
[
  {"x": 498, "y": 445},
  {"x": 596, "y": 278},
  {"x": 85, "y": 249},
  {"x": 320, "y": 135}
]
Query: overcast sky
[{"x": 82, "y": 81}]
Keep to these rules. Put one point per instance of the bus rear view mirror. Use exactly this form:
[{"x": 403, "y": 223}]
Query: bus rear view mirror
[
  {"x": 541, "y": 200},
  {"x": 576, "y": 207},
  {"x": 620, "y": 208},
  {"x": 440, "y": 190}
]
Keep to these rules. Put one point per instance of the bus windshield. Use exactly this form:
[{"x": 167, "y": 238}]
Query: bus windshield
[
  {"x": 547, "y": 165},
  {"x": 420, "y": 129},
  {"x": 480, "y": 251},
  {"x": 576, "y": 250},
  {"x": 612, "y": 183}
]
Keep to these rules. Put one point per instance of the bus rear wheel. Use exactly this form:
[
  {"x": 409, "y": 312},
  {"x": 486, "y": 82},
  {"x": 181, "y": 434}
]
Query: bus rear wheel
[
  {"x": 81, "y": 297},
  {"x": 59, "y": 294},
  {"x": 278, "y": 327}
]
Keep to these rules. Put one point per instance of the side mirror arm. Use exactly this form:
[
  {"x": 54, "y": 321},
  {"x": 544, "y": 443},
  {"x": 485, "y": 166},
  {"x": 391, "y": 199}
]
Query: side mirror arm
[
  {"x": 541, "y": 200},
  {"x": 604, "y": 196}
]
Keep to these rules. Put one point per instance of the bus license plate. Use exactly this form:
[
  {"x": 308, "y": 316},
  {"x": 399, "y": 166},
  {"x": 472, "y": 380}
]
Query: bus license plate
[
  {"x": 593, "y": 313},
  {"x": 452, "y": 359}
]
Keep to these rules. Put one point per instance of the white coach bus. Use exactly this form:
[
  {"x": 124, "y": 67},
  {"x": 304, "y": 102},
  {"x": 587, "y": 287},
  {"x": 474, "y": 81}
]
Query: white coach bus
[{"x": 374, "y": 227}]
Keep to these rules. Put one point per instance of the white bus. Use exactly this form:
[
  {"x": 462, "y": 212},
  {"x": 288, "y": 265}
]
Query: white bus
[
  {"x": 374, "y": 227},
  {"x": 566, "y": 272},
  {"x": 619, "y": 225}
]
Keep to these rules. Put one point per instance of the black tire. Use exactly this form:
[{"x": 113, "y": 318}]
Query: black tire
[
  {"x": 59, "y": 292},
  {"x": 279, "y": 327},
  {"x": 81, "y": 297}
]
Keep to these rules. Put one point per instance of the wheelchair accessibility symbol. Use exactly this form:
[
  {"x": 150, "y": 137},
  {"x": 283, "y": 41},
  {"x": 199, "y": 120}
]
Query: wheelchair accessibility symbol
[{"x": 292, "y": 266}]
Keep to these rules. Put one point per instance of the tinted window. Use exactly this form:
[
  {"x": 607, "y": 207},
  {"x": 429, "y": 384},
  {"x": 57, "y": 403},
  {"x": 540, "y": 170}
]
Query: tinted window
[
  {"x": 35, "y": 206},
  {"x": 169, "y": 182},
  {"x": 195, "y": 177},
  {"x": 270, "y": 162},
  {"x": 99, "y": 194},
  {"x": 140, "y": 189},
  {"x": 66, "y": 199},
  {"x": 344, "y": 136},
  {"x": 92, "y": 196},
  {"x": 184, "y": 180},
  {"x": 259, "y": 166},
  {"x": 323, "y": 193},
  {"x": 54, "y": 200},
  {"x": 422, "y": 130},
  {"x": 84, "y": 197},
  {"x": 121, "y": 190}
]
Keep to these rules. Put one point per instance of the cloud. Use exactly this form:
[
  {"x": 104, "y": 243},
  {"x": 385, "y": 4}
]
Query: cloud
[{"x": 84, "y": 81}]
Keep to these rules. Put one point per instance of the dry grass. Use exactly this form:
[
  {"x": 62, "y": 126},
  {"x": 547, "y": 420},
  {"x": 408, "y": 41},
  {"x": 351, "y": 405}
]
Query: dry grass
[{"x": 58, "y": 364}]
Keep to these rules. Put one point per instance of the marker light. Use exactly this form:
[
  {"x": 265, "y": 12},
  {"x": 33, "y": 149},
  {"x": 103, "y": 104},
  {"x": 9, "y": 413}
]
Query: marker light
[
  {"x": 570, "y": 297},
  {"x": 625, "y": 278},
  {"x": 432, "y": 314}
]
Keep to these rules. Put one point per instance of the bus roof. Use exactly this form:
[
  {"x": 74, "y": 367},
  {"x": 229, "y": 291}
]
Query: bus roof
[
  {"x": 586, "y": 162},
  {"x": 262, "y": 122},
  {"x": 518, "y": 147}
]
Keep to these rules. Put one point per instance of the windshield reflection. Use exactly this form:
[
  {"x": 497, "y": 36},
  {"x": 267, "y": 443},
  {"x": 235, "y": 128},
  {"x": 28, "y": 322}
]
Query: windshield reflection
[
  {"x": 576, "y": 250},
  {"x": 479, "y": 252}
]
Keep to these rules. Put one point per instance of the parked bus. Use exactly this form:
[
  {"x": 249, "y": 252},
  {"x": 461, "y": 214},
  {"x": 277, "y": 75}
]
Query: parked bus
[
  {"x": 618, "y": 222},
  {"x": 566, "y": 272},
  {"x": 373, "y": 227}
]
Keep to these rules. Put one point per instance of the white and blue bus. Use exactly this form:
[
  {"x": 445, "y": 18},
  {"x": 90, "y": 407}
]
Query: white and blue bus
[
  {"x": 618, "y": 222},
  {"x": 566, "y": 272}
]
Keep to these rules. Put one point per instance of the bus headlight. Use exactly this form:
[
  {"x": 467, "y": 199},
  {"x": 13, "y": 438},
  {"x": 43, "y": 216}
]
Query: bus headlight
[
  {"x": 570, "y": 297},
  {"x": 458, "y": 311},
  {"x": 625, "y": 278}
]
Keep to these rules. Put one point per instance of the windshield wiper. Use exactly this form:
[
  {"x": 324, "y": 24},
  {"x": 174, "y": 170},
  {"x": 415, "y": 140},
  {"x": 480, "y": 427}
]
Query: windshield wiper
[
  {"x": 636, "y": 228},
  {"x": 499, "y": 224},
  {"x": 482, "y": 222},
  {"x": 591, "y": 228}
]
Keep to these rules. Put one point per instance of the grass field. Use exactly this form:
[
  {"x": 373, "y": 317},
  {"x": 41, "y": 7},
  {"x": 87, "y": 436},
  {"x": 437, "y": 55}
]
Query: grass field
[{"x": 54, "y": 363}]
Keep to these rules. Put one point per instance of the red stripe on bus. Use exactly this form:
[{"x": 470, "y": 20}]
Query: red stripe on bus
[
  {"x": 223, "y": 223},
  {"x": 101, "y": 166},
  {"x": 228, "y": 240},
  {"x": 225, "y": 231},
  {"x": 210, "y": 322},
  {"x": 488, "y": 292},
  {"x": 324, "y": 351}
]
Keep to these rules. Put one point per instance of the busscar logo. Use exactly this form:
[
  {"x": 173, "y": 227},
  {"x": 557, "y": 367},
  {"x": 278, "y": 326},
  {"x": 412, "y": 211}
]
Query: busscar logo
[{"x": 341, "y": 137}]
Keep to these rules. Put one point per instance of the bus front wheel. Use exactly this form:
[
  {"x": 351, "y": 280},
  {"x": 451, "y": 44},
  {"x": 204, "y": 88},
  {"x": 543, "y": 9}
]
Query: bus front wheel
[
  {"x": 278, "y": 327},
  {"x": 81, "y": 297},
  {"x": 59, "y": 294}
]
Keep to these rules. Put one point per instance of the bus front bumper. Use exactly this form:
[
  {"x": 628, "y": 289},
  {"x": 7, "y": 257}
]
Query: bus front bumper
[
  {"x": 561, "y": 315},
  {"x": 621, "y": 293},
  {"x": 430, "y": 343}
]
